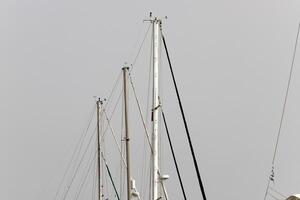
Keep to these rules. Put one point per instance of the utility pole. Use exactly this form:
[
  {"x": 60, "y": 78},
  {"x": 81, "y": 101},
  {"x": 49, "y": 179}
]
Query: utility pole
[{"x": 127, "y": 137}]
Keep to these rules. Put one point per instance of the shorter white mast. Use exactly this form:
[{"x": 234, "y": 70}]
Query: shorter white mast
[
  {"x": 127, "y": 138},
  {"x": 98, "y": 149}
]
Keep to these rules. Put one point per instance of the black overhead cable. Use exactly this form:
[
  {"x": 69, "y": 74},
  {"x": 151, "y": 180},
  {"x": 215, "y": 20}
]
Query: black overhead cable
[
  {"x": 185, "y": 123},
  {"x": 173, "y": 154}
]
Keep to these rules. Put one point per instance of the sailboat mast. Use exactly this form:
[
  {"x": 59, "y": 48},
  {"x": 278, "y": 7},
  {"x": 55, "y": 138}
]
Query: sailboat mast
[
  {"x": 155, "y": 165},
  {"x": 127, "y": 138},
  {"x": 98, "y": 149}
]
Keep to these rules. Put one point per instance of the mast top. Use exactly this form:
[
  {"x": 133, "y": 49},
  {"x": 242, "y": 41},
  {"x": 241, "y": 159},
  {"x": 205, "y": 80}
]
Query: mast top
[
  {"x": 154, "y": 19},
  {"x": 125, "y": 66},
  {"x": 101, "y": 101}
]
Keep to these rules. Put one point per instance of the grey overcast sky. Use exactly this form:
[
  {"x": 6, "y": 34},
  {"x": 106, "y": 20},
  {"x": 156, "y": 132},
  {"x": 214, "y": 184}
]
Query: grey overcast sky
[{"x": 231, "y": 58}]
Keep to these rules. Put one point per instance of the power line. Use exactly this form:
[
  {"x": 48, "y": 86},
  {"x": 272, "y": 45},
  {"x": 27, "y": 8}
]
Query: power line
[
  {"x": 271, "y": 177},
  {"x": 286, "y": 95}
]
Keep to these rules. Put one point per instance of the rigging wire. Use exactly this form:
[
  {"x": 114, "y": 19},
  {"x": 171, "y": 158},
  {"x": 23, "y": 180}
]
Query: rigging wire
[
  {"x": 285, "y": 197},
  {"x": 271, "y": 195},
  {"x": 161, "y": 96},
  {"x": 76, "y": 151},
  {"x": 112, "y": 113},
  {"x": 140, "y": 48},
  {"x": 184, "y": 121},
  {"x": 78, "y": 166},
  {"x": 146, "y": 117},
  {"x": 110, "y": 176},
  {"x": 140, "y": 111},
  {"x": 117, "y": 83},
  {"x": 122, "y": 150},
  {"x": 148, "y": 170},
  {"x": 79, "y": 144},
  {"x": 110, "y": 97},
  {"x": 102, "y": 137},
  {"x": 85, "y": 176},
  {"x": 94, "y": 180},
  {"x": 114, "y": 136},
  {"x": 286, "y": 95},
  {"x": 119, "y": 76},
  {"x": 271, "y": 177},
  {"x": 115, "y": 86},
  {"x": 173, "y": 153}
]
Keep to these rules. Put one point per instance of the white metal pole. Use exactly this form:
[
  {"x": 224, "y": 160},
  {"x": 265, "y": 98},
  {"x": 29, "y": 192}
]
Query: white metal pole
[
  {"x": 125, "y": 76},
  {"x": 98, "y": 149},
  {"x": 155, "y": 164}
]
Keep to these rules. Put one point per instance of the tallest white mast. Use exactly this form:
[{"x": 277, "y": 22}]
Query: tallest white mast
[{"x": 155, "y": 165}]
